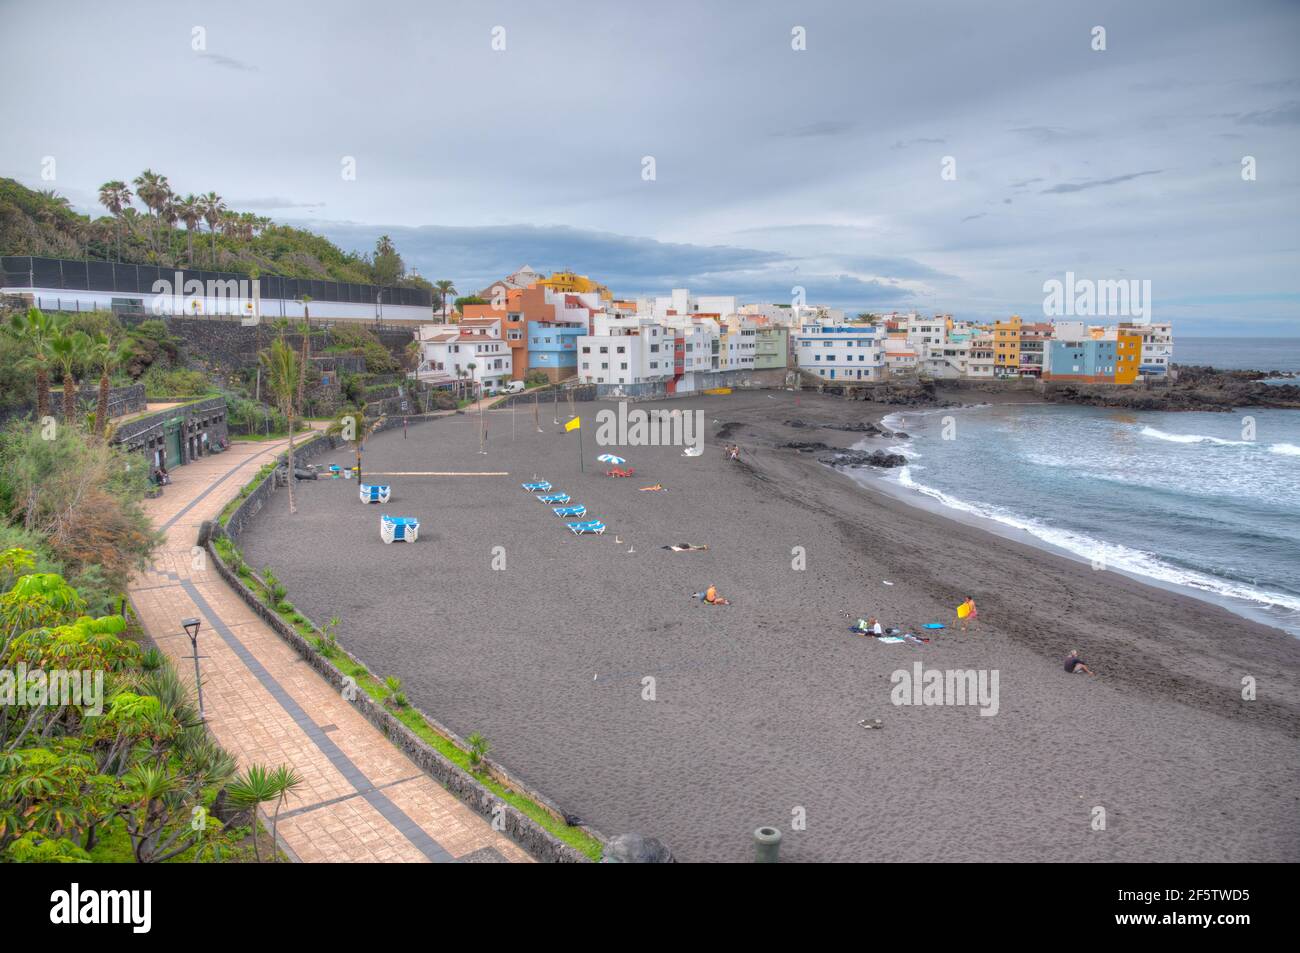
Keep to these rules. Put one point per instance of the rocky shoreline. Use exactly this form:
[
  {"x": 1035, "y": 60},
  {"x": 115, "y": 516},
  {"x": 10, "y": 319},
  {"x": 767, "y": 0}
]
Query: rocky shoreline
[{"x": 1195, "y": 389}]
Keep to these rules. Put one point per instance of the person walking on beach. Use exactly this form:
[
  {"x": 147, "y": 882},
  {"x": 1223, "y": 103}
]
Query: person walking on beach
[
  {"x": 1075, "y": 665},
  {"x": 966, "y": 612}
]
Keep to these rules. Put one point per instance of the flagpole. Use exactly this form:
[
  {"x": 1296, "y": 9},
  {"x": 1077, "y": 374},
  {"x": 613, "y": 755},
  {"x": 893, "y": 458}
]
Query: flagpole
[{"x": 582, "y": 463}]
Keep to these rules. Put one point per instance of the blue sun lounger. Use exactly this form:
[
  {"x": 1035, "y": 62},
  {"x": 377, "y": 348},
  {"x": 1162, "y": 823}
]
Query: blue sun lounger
[
  {"x": 375, "y": 492},
  {"x": 591, "y": 526},
  {"x": 555, "y": 498},
  {"x": 399, "y": 527},
  {"x": 541, "y": 487},
  {"x": 578, "y": 510}
]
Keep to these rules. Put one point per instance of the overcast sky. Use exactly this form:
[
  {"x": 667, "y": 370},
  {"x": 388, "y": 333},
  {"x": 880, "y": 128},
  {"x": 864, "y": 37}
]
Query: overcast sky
[{"x": 773, "y": 167}]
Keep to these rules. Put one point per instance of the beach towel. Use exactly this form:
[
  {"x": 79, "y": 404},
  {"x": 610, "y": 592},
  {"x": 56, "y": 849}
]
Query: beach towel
[
  {"x": 890, "y": 638},
  {"x": 933, "y": 625}
]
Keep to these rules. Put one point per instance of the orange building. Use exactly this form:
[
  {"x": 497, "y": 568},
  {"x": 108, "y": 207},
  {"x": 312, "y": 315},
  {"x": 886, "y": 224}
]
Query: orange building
[{"x": 1128, "y": 356}]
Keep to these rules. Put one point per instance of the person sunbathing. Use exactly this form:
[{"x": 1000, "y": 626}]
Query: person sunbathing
[
  {"x": 1075, "y": 665},
  {"x": 711, "y": 597},
  {"x": 687, "y": 548},
  {"x": 657, "y": 488}
]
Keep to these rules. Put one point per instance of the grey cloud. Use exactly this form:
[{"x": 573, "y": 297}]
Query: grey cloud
[
  {"x": 903, "y": 144},
  {"x": 1096, "y": 183},
  {"x": 228, "y": 62},
  {"x": 824, "y": 127},
  {"x": 1287, "y": 114}
]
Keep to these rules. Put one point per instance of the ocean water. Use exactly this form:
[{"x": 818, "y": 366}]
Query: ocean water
[
  {"x": 1238, "y": 354},
  {"x": 1186, "y": 499}
]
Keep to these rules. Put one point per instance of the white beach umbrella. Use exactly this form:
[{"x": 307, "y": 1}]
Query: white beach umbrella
[{"x": 610, "y": 458}]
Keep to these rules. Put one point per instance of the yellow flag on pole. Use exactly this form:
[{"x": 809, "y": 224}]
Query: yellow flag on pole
[{"x": 573, "y": 424}]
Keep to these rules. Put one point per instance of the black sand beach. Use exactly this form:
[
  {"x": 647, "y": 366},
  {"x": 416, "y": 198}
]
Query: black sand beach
[{"x": 757, "y": 704}]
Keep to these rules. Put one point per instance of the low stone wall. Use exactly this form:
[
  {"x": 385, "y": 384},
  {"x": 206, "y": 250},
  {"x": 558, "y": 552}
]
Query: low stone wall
[
  {"x": 121, "y": 401},
  {"x": 539, "y": 842}
]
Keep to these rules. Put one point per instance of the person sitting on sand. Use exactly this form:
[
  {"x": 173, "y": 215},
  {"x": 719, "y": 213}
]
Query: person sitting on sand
[
  {"x": 1075, "y": 665},
  {"x": 966, "y": 613},
  {"x": 869, "y": 627}
]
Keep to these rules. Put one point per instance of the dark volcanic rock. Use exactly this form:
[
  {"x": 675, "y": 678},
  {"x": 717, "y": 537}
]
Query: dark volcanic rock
[
  {"x": 808, "y": 446},
  {"x": 1196, "y": 388},
  {"x": 863, "y": 458}
]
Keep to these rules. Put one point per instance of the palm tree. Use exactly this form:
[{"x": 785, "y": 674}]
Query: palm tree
[
  {"x": 37, "y": 332},
  {"x": 306, "y": 353},
  {"x": 191, "y": 212},
  {"x": 281, "y": 363},
  {"x": 213, "y": 210},
  {"x": 170, "y": 215},
  {"x": 359, "y": 427},
  {"x": 107, "y": 356},
  {"x": 116, "y": 197},
  {"x": 68, "y": 350},
  {"x": 258, "y": 786},
  {"x": 445, "y": 290},
  {"x": 155, "y": 192}
]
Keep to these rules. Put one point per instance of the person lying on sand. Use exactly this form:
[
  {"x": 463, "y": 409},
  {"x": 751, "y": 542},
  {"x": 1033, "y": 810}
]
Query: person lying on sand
[
  {"x": 1074, "y": 665},
  {"x": 657, "y": 488},
  {"x": 710, "y": 596},
  {"x": 687, "y": 548}
]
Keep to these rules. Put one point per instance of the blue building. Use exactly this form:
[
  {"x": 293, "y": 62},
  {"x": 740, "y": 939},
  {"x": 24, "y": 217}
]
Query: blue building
[
  {"x": 1090, "y": 360},
  {"x": 553, "y": 348}
]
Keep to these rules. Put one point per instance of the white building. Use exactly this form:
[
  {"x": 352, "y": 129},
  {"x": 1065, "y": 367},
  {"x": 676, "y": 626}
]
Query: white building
[
  {"x": 1157, "y": 347},
  {"x": 842, "y": 352},
  {"x": 475, "y": 354},
  {"x": 640, "y": 350}
]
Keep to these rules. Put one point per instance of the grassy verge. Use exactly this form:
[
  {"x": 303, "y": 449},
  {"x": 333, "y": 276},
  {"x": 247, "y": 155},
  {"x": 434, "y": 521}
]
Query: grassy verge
[
  {"x": 244, "y": 491},
  {"x": 272, "y": 594}
]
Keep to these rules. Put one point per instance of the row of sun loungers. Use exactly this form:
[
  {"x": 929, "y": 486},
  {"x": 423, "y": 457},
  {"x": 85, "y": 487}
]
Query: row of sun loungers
[{"x": 579, "y": 528}]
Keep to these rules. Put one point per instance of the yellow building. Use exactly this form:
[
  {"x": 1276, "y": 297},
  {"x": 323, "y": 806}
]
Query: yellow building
[
  {"x": 573, "y": 283},
  {"x": 1128, "y": 356},
  {"x": 1006, "y": 346}
]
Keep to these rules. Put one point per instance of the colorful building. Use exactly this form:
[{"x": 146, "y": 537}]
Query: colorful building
[
  {"x": 1006, "y": 347},
  {"x": 573, "y": 283},
  {"x": 771, "y": 347},
  {"x": 1033, "y": 346},
  {"x": 1128, "y": 356},
  {"x": 1086, "y": 360}
]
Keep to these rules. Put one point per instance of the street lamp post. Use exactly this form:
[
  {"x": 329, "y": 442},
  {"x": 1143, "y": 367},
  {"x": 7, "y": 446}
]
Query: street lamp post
[{"x": 192, "y": 630}]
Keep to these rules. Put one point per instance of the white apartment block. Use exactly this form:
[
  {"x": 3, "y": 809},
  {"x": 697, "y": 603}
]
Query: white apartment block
[
  {"x": 476, "y": 354},
  {"x": 639, "y": 350},
  {"x": 842, "y": 352}
]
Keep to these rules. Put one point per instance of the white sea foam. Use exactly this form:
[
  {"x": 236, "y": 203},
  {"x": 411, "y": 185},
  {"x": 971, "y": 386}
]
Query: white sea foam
[
  {"x": 1191, "y": 438},
  {"x": 1115, "y": 556},
  {"x": 1286, "y": 449}
]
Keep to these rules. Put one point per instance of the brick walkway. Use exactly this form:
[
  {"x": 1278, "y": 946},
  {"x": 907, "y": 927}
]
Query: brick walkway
[{"x": 361, "y": 799}]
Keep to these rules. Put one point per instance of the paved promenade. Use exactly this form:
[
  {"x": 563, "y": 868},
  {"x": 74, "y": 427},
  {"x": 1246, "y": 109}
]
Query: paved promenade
[{"x": 362, "y": 799}]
